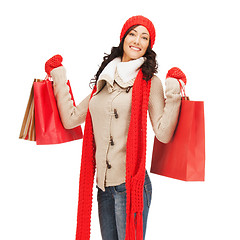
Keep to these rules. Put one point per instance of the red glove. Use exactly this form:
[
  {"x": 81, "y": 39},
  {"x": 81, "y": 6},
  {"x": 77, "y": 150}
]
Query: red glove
[
  {"x": 54, "y": 62},
  {"x": 177, "y": 73}
]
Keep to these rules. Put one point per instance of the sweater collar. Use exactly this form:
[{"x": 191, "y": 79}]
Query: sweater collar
[{"x": 124, "y": 73}]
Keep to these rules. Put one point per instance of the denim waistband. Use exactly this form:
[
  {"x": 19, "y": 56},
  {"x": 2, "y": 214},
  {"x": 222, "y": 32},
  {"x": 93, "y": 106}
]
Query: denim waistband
[{"x": 146, "y": 181}]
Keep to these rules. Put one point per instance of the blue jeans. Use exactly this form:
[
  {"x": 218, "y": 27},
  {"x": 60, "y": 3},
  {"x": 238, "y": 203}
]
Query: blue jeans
[{"x": 112, "y": 210}]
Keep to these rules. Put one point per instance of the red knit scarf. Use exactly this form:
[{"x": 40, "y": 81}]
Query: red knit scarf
[{"x": 135, "y": 166}]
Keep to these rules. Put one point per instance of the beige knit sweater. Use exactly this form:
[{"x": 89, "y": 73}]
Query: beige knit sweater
[{"x": 110, "y": 109}]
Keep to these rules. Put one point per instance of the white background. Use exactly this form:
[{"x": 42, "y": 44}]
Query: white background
[{"x": 39, "y": 184}]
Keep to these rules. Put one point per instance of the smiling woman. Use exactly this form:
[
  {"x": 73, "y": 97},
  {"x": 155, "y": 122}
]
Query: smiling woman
[{"x": 115, "y": 135}]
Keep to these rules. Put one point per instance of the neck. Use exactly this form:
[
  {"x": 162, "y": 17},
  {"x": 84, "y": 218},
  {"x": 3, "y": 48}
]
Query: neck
[{"x": 126, "y": 58}]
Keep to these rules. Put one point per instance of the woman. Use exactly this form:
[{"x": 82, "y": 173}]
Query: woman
[{"x": 114, "y": 142}]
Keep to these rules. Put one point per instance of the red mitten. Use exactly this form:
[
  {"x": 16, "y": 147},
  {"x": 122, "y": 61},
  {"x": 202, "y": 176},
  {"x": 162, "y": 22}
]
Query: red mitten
[
  {"x": 177, "y": 73},
  {"x": 54, "y": 62}
]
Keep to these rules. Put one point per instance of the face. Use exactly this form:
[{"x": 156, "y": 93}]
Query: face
[{"x": 135, "y": 43}]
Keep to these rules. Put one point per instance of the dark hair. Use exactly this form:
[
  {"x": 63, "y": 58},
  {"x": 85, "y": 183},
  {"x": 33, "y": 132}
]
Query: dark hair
[{"x": 149, "y": 67}]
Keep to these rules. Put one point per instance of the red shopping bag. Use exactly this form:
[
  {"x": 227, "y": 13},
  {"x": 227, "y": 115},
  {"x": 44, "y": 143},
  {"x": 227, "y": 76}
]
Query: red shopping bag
[
  {"x": 48, "y": 125},
  {"x": 183, "y": 157}
]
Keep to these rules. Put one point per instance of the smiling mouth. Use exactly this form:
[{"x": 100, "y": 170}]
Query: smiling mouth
[{"x": 135, "y": 48}]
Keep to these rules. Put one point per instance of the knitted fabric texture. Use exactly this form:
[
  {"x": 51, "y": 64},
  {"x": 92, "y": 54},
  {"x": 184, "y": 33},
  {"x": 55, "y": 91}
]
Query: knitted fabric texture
[
  {"x": 135, "y": 166},
  {"x": 140, "y": 20},
  {"x": 177, "y": 73},
  {"x": 87, "y": 172},
  {"x": 136, "y": 158},
  {"x": 54, "y": 62}
]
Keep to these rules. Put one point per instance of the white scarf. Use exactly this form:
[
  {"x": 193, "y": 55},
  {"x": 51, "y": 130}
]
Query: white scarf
[{"x": 127, "y": 71}]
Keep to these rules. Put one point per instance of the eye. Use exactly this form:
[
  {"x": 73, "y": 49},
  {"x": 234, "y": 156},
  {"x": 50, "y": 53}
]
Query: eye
[
  {"x": 131, "y": 34},
  {"x": 145, "y": 38}
]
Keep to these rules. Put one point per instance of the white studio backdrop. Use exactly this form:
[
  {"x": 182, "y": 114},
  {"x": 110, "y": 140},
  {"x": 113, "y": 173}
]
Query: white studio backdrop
[{"x": 39, "y": 184}]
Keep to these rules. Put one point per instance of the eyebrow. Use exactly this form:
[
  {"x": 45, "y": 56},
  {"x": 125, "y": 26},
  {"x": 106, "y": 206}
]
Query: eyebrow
[{"x": 137, "y": 31}]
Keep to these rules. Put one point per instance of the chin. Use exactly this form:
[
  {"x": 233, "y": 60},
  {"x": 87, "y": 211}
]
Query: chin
[{"x": 134, "y": 57}]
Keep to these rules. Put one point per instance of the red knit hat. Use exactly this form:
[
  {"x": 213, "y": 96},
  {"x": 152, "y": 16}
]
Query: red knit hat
[{"x": 140, "y": 20}]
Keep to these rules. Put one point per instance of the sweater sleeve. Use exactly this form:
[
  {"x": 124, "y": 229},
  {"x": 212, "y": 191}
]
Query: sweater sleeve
[
  {"x": 164, "y": 113},
  {"x": 71, "y": 116}
]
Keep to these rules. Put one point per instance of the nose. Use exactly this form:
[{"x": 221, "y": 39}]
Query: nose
[{"x": 136, "y": 40}]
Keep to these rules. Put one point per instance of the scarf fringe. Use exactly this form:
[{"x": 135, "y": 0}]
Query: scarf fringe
[
  {"x": 136, "y": 227},
  {"x": 139, "y": 226}
]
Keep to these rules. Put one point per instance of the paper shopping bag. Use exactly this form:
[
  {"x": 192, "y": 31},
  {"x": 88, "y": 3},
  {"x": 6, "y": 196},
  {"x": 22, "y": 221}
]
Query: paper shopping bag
[
  {"x": 48, "y": 125},
  {"x": 183, "y": 157},
  {"x": 28, "y": 125}
]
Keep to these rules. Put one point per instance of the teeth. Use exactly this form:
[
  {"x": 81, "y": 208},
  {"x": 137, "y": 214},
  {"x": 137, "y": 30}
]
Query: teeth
[{"x": 136, "y": 49}]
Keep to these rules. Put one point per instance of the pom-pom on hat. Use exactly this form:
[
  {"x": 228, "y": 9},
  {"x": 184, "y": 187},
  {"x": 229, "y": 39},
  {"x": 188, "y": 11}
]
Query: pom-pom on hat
[{"x": 140, "y": 20}]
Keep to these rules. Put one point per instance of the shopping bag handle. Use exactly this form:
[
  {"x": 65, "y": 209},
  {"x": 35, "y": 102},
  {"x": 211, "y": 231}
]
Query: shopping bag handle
[
  {"x": 183, "y": 93},
  {"x": 47, "y": 78}
]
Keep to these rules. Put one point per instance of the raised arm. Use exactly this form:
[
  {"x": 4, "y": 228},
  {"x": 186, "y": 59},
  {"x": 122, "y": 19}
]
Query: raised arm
[
  {"x": 71, "y": 116},
  {"x": 163, "y": 112}
]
